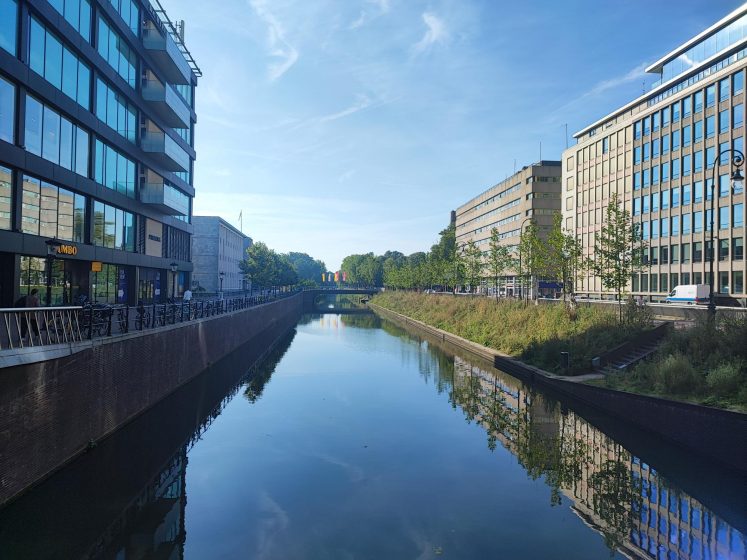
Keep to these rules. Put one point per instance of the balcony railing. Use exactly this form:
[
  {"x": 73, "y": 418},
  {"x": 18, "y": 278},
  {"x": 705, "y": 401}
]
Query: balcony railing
[
  {"x": 166, "y": 151},
  {"x": 166, "y": 103},
  {"x": 167, "y": 55},
  {"x": 158, "y": 195}
]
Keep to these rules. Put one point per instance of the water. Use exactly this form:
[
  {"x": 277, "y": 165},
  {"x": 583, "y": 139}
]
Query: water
[{"x": 355, "y": 439}]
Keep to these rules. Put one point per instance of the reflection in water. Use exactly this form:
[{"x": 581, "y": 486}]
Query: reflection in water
[{"x": 629, "y": 503}]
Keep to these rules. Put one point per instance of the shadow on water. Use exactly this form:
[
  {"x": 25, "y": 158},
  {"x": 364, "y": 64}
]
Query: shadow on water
[
  {"x": 126, "y": 498},
  {"x": 646, "y": 497}
]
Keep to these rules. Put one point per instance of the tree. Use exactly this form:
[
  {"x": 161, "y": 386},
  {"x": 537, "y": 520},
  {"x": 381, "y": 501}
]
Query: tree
[
  {"x": 473, "y": 264},
  {"x": 500, "y": 259},
  {"x": 259, "y": 265},
  {"x": 532, "y": 254},
  {"x": 564, "y": 258},
  {"x": 618, "y": 250},
  {"x": 307, "y": 269}
]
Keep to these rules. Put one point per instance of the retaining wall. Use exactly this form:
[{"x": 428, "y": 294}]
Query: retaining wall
[
  {"x": 50, "y": 411},
  {"x": 717, "y": 434}
]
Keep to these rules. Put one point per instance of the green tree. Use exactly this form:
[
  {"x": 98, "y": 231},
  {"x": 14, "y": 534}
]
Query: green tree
[
  {"x": 308, "y": 269},
  {"x": 564, "y": 256},
  {"x": 500, "y": 259},
  {"x": 532, "y": 255},
  {"x": 618, "y": 251},
  {"x": 259, "y": 265},
  {"x": 473, "y": 265}
]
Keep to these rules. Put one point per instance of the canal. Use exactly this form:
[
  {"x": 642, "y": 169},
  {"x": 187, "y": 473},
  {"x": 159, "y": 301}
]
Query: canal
[{"x": 356, "y": 439}]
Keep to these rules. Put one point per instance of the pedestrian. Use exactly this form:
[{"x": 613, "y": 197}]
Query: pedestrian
[
  {"x": 32, "y": 300},
  {"x": 187, "y": 295}
]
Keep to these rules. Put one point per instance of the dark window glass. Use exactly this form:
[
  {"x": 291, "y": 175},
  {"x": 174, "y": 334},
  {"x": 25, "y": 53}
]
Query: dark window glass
[
  {"x": 6, "y": 197},
  {"x": 8, "y": 25},
  {"x": 7, "y": 110}
]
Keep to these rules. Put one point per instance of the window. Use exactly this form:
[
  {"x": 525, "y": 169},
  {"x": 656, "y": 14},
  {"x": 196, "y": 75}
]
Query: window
[
  {"x": 605, "y": 145},
  {"x": 8, "y": 25},
  {"x": 723, "y": 249},
  {"x": 646, "y": 178},
  {"x": 112, "y": 227},
  {"x": 637, "y": 130},
  {"x": 646, "y": 230},
  {"x": 675, "y": 168},
  {"x": 636, "y": 155},
  {"x": 675, "y": 197},
  {"x": 637, "y": 206},
  {"x": 697, "y": 252},
  {"x": 676, "y": 112},
  {"x": 646, "y": 126},
  {"x": 738, "y": 215},
  {"x": 77, "y": 13},
  {"x": 113, "y": 170},
  {"x": 710, "y": 126},
  {"x": 697, "y": 221},
  {"x": 113, "y": 109},
  {"x": 724, "y": 185},
  {"x": 685, "y": 253},
  {"x": 723, "y": 121},
  {"x": 686, "y": 161},
  {"x": 675, "y": 225},
  {"x": 665, "y": 144},
  {"x": 116, "y": 52},
  {"x": 130, "y": 13},
  {"x": 737, "y": 249},
  {"x": 656, "y": 121},
  {"x": 55, "y": 138},
  {"x": 655, "y": 175},
  {"x": 698, "y": 101},
  {"x": 664, "y": 172},
  {"x": 636, "y": 180},
  {"x": 723, "y": 217},
  {"x": 665, "y": 227},
  {"x": 710, "y": 95},
  {"x": 646, "y": 151},
  {"x": 698, "y": 161},
  {"x": 686, "y": 221},
  {"x": 51, "y": 211},
  {"x": 738, "y": 115},
  {"x": 655, "y": 147},
  {"x": 655, "y": 230},
  {"x": 698, "y": 192},
  {"x": 723, "y": 282},
  {"x": 737, "y": 282},
  {"x": 687, "y": 106},
  {"x": 686, "y": 190},
  {"x": 655, "y": 202},
  {"x": 723, "y": 90},
  {"x": 6, "y": 197},
  {"x": 664, "y": 254},
  {"x": 676, "y": 140},
  {"x": 698, "y": 130},
  {"x": 665, "y": 116},
  {"x": 7, "y": 110},
  {"x": 737, "y": 82},
  {"x": 687, "y": 135},
  {"x": 645, "y": 204}
]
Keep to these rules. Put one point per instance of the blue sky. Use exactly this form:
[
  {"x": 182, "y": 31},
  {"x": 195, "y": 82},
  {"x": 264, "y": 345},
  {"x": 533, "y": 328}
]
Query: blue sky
[{"x": 349, "y": 126}]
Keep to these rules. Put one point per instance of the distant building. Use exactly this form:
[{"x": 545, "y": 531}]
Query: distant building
[
  {"x": 533, "y": 193},
  {"x": 657, "y": 154},
  {"x": 217, "y": 247}
]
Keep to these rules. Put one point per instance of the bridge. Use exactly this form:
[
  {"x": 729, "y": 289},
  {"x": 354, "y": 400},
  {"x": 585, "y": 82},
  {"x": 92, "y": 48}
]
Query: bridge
[{"x": 312, "y": 296}]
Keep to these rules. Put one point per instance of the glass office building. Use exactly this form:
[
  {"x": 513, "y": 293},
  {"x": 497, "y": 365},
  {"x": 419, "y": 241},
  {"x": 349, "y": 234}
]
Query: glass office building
[
  {"x": 96, "y": 151},
  {"x": 665, "y": 155}
]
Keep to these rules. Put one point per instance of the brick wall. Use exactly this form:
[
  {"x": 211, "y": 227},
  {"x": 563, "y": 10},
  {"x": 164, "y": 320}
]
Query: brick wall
[{"x": 49, "y": 411}]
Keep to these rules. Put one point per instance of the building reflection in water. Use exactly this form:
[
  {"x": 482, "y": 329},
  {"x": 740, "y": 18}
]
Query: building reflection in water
[{"x": 616, "y": 493}]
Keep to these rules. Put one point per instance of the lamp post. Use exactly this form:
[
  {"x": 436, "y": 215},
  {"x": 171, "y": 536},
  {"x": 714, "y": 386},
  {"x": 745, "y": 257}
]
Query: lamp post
[
  {"x": 221, "y": 274},
  {"x": 173, "y": 267},
  {"x": 52, "y": 245},
  {"x": 737, "y": 160},
  {"x": 521, "y": 232}
]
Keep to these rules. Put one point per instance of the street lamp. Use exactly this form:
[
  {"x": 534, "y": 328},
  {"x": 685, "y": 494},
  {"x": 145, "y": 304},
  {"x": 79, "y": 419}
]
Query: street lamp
[
  {"x": 737, "y": 160},
  {"x": 52, "y": 245},
  {"x": 221, "y": 274},
  {"x": 521, "y": 232},
  {"x": 174, "y": 266}
]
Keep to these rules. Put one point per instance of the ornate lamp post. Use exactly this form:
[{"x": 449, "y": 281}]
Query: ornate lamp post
[
  {"x": 737, "y": 160},
  {"x": 52, "y": 246},
  {"x": 174, "y": 266},
  {"x": 221, "y": 274}
]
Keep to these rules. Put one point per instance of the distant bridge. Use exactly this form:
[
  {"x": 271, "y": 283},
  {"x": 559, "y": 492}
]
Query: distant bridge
[{"x": 312, "y": 296}]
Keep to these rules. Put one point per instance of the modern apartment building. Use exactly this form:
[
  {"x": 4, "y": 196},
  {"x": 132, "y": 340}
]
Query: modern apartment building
[
  {"x": 531, "y": 194},
  {"x": 660, "y": 154},
  {"x": 217, "y": 248},
  {"x": 96, "y": 150}
]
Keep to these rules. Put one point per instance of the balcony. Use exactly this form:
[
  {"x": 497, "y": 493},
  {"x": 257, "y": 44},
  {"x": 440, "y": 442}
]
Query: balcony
[
  {"x": 165, "y": 198},
  {"x": 166, "y": 103},
  {"x": 167, "y": 55},
  {"x": 165, "y": 151}
]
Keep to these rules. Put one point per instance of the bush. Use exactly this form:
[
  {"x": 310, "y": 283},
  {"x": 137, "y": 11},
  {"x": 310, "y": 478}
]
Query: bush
[
  {"x": 676, "y": 375},
  {"x": 726, "y": 380}
]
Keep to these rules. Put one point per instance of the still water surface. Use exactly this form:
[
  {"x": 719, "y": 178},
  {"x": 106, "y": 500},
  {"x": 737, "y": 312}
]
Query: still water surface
[{"x": 356, "y": 439}]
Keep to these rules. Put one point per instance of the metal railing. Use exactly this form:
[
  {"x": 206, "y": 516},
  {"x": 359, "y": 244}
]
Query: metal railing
[{"x": 43, "y": 326}]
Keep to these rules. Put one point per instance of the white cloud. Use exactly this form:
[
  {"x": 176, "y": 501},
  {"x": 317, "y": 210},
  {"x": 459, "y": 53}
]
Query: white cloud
[
  {"x": 363, "y": 102},
  {"x": 636, "y": 73},
  {"x": 277, "y": 44},
  {"x": 381, "y": 7},
  {"x": 435, "y": 33}
]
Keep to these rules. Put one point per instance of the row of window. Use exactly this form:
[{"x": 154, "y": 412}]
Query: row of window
[
  {"x": 489, "y": 227},
  {"x": 115, "y": 110},
  {"x": 112, "y": 227},
  {"x": 494, "y": 211},
  {"x": 77, "y": 13},
  {"x": 502, "y": 194},
  {"x": 680, "y": 253},
  {"x": 114, "y": 170},
  {"x": 8, "y": 25},
  {"x": 51, "y": 211},
  {"x": 117, "y": 52},
  {"x": 129, "y": 12},
  {"x": 683, "y": 108},
  {"x": 7, "y": 110},
  {"x": 692, "y": 223},
  {"x": 664, "y": 282},
  {"x": 671, "y": 197},
  {"x": 50, "y": 58}
]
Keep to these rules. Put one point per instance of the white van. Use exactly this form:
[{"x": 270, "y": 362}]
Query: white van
[{"x": 690, "y": 293}]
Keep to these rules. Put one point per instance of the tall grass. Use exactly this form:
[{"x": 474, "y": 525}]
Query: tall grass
[{"x": 536, "y": 334}]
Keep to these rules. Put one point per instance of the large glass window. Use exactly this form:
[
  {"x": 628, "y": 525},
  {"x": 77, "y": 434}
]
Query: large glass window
[
  {"x": 698, "y": 101},
  {"x": 676, "y": 140},
  {"x": 687, "y": 135},
  {"x": 130, "y": 13},
  {"x": 676, "y": 112},
  {"x": 723, "y": 121},
  {"x": 710, "y": 95},
  {"x": 114, "y": 109},
  {"x": 737, "y": 83},
  {"x": 724, "y": 92},
  {"x": 112, "y": 227},
  {"x": 7, "y": 110},
  {"x": 55, "y": 138},
  {"x": 77, "y": 13},
  {"x": 738, "y": 114},
  {"x": 675, "y": 226},
  {"x": 723, "y": 217},
  {"x": 114, "y": 170},
  {"x": 117, "y": 52},
  {"x": 686, "y": 194},
  {"x": 697, "y": 221},
  {"x": 48, "y": 57},
  {"x": 6, "y": 197},
  {"x": 738, "y": 215},
  {"x": 687, "y": 106},
  {"x": 675, "y": 168},
  {"x": 686, "y": 162},
  {"x": 737, "y": 249},
  {"x": 698, "y": 192},
  {"x": 8, "y": 25},
  {"x": 51, "y": 211}
]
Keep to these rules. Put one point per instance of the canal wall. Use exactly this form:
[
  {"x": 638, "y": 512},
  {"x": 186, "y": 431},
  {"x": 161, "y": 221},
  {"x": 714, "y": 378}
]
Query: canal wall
[
  {"x": 52, "y": 411},
  {"x": 713, "y": 433}
]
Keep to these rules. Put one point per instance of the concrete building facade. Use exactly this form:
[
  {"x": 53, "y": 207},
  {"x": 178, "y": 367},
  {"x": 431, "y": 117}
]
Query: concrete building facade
[
  {"x": 217, "y": 247},
  {"x": 96, "y": 151},
  {"x": 659, "y": 155},
  {"x": 531, "y": 194}
]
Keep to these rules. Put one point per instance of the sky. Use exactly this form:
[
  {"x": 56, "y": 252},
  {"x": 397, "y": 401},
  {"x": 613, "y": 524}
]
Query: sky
[{"x": 352, "y": 126}]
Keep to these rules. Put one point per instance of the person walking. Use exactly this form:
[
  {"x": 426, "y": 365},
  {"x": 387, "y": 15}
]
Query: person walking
[
  {"x": 32, "y": 300},
  {"x": 187, "y": 295}
]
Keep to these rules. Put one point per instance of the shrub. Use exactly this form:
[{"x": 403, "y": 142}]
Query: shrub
[
  {"x": 675, "y": 374},
  {"x": 726, "y": 380}
]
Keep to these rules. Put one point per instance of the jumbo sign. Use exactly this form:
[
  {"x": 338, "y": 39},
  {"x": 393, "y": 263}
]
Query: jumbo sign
[{"x": 67, "y": 250}]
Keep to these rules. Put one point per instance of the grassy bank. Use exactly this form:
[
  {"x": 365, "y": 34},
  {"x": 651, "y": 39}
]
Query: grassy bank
[
  {"x": 536, "y": 334},
  {"x": 703, "y": 364}
]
